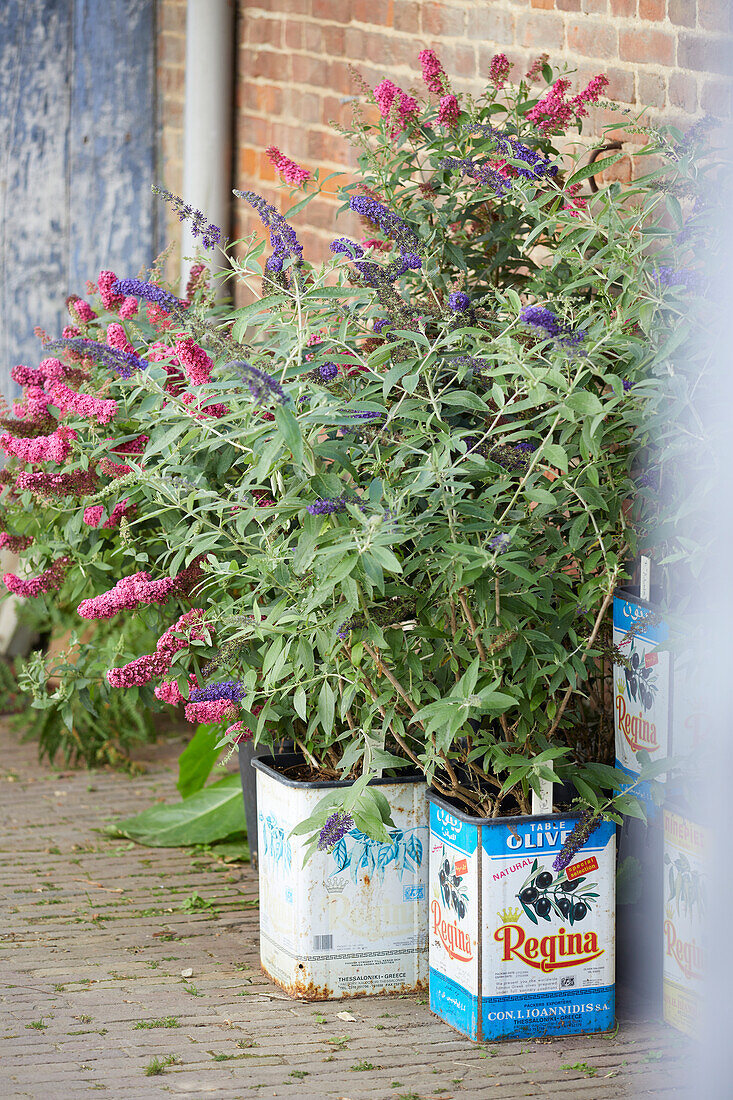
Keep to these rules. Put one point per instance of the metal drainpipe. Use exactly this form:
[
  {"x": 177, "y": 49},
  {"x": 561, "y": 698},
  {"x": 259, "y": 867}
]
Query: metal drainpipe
[{"x": 207, "y": 128}]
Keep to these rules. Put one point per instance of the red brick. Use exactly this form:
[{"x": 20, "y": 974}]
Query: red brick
[
  {"x": 172, "y": 49},
  {"x": 653, "y": 10},
  {"x": 682, "y": 12},
  {"x": 545, "y": 5},
  {"x": 541, "y": 30},
  {"x": 714, "y": 15},
  {"x": 407, "y": 16},
  {"x": 332, "y": 10},
  {"x": 294, "y": 35},
  {"x": 592, "y": 38},
  {"x": 437, "y": 19},
  {"x": 594, "y": 7},
  {"x": 172, "y": 18},
  {"x": 623, "y": 7},
  {"x": 172, "y": 80},
  {"x": 652, "y": 90},
  {"x": 376, "y": 12},
  {"x": 683, "y": 92},
  {"x": 267, "y": 32},
  {"x": 715, "y": 97},
  {"x": 701, "y": 54},
  {"x": 646, "y": 46},
  {"x": 568, "y": 5},
  {"x": 492, "y": 26},
  {"x": 328, "y": 40}
]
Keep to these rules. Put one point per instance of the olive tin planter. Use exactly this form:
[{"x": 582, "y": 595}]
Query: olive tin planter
[
  {"x": 352, "y": 921},
  {"x": 683, "y": 931},
  {"x": 516, "y": 948}
]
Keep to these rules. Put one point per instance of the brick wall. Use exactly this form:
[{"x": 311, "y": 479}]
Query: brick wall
[
  {"x": 292, "y": 70},
  {"x": 171, "y": 17}
]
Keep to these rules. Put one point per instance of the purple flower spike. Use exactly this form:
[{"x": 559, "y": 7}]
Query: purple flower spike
[
  {"x": 136, "y": 288},
  {"x": 500, "y": 543},
  {"x": 124, "y": 362},
  {"x": 588, "y": 823},
  {"x": 232, "y": 690},
  {"x": 459, "y": 302},
  {"x": 336, "y": 827}
]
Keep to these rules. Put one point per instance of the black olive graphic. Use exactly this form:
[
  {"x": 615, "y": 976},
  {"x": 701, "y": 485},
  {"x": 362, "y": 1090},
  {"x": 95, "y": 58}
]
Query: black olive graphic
[
  {"x": 529, "y": 895},
  {"x": 543, "y": 880},
  {"x": 454, "y": 899},
  {"x": 445, "y": 891},
  {"x": 446, "y": 867},
  {"x": 542, "y": 907},
  {"x": 633, "y": 684},
  {"x": 645, "y": 673},
  {"x": 635, "y": 661},
  {"x": 568, "y": 886},
  {"x": 456, "y": 880},
  {"x": 564, "y": 906},
  {"x": 579, "y": 910},
  {"x": 461, "y": 908},
  {"x": 645, "y": 697},
  {"x": 442, "y": 876}
]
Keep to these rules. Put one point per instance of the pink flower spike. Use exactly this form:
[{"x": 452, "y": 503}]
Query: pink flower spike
[
  {"x": 117, "y": 338},
  {"x": 129, "y": 308},
  {"x": 432, "y": 73},
  {"x": 213, "y": 711},
  {"x": 110, "y": 300},
  {"x": 50, "y": 579},
  {"x": 93, "y": 515},
  {"x": 449, "y": 111},
  {"x": 499, "y": 70},
  {"x": 194, "y": 361},
  {"x": 238, "y": 733},
  {"x": 290, "y": 171}
]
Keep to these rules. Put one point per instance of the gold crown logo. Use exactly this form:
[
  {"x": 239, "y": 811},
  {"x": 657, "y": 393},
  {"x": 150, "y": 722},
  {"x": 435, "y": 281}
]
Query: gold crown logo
[{"x": 509, "y": 916}]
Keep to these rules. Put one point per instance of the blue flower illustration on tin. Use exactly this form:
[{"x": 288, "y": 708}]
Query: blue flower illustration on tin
[
  {"x": 358, "y": 852},
  {"x": 275, "y": 843}
]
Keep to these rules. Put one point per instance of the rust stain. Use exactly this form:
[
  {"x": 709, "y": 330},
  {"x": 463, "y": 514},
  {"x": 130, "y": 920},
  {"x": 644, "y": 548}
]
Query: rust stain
[
  {"x": 300, "y": 990},
  {"x": 367, "y": 880}
]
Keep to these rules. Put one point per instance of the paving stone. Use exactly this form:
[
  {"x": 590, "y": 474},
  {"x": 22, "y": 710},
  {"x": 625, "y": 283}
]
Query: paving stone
[{"x": 90, "y": 945}]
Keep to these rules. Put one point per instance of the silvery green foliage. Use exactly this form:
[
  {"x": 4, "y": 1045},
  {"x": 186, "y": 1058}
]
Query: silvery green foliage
[{"x": 449, "y": 613}]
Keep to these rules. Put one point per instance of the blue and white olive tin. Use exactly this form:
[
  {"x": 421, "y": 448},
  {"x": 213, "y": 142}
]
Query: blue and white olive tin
[{"x": 517, "y": 948}]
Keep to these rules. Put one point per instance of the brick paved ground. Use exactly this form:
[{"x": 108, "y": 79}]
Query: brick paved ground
[{"x": 95, "y": 935}]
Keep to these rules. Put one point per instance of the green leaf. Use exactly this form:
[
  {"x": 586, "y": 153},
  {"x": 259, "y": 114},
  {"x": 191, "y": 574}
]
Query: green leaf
[
  {"x": 326, "y": 706},
  {"x": 211, "y": 814},
  {"x": 594, "y": 169},
  {"x": 197, "y": 760},
  {"x": 557, "y": 455},
  {"x": 290, "y": 431},
  {"x": 584, "y": 402},
  {"x": 300, "y": 703}
]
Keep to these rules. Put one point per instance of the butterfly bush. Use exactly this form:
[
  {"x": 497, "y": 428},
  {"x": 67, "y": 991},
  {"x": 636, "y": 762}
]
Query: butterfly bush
[{"x": 381, "y": 510}]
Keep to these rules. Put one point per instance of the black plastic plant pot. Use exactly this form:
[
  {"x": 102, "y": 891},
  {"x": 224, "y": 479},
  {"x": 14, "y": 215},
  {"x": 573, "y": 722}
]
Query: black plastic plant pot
[
  {"x": 517, "y": 948},
  {"x": 247, "y": 753},
  {"x": 352, "y": 920}
]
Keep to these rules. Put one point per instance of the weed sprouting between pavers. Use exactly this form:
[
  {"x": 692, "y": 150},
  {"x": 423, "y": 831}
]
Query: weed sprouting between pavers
[
  {"x": 165, "y": 1021},
  {"x": 158, "y": 1065}
]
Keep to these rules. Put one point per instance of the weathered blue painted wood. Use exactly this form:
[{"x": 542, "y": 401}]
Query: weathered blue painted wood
[
  {"x": 77, "y": 157},
  {"x": 112, "y": 138},
  {"x": 34, "y": 217}
]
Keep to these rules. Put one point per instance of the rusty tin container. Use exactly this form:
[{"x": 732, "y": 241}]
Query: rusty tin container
[
  {"x": 516, "y": 948},
  {"x": 351, "y": 922}
]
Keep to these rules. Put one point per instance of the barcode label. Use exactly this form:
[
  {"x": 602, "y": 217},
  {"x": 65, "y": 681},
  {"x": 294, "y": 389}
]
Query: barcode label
[{"x": 323, "y": 943}]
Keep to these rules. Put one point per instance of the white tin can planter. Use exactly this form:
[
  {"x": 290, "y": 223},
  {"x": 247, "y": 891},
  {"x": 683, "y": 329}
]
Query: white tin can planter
[
  {"x": 686, "y": 848},
  {"x": 353, "y": 921},
  {"x": 515, "y": 948}
]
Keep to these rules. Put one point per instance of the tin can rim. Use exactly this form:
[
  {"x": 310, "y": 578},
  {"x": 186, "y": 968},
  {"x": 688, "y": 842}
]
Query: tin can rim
[
  {"x": 482, "y": 822},
  {"x": 265, "y": 764}
]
